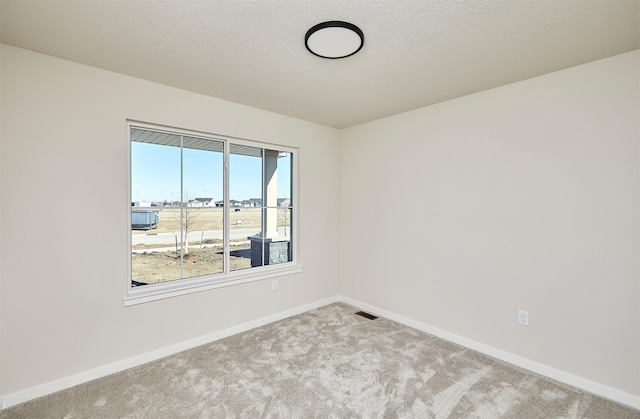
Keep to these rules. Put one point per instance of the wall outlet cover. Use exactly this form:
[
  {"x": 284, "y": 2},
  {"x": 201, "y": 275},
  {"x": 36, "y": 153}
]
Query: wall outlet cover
[{"x": 523, "y": 317}]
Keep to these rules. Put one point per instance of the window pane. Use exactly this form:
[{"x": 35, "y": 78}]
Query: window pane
[
  {"x": 188, "y": 237},
  {"x": 202, "y": 221},
  {"x": 273, "y": 243},
  {"x": 285, "y": 204},
  {"x": 284, "y": 228},
  {"x": 245, "y": 198},
  {"x": 155, "y": 186}
]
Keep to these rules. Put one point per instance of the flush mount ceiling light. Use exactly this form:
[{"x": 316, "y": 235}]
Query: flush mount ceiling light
[{"x": 334, "y": 39}]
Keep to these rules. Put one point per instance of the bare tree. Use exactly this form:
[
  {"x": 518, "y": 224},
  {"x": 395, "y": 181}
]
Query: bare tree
[{"x": 189, "y": 222}]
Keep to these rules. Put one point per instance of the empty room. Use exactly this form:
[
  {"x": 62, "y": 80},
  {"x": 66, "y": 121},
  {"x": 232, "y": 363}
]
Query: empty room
[{"x": 417, "y": 209}]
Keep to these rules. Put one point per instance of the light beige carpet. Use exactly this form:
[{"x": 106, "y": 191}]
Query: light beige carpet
[{"x": 326, "y": 363}]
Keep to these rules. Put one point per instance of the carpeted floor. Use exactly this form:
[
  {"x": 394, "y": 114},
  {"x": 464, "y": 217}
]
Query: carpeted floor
[{"x": 326, "y": 363}]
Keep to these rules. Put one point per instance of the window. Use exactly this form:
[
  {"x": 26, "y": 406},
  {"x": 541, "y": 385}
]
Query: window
[{"x": 207, "y": 211}]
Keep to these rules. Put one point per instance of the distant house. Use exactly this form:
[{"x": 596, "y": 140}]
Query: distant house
[
  {"x": 141, "y": 204},
  {"x": 252, "y": 203},
  {"x": 246, "y": 203},
  {"x": 201, "y": 202}
]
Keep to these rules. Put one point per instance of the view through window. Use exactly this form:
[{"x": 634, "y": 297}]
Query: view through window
[{"x": 192, "y": 215}]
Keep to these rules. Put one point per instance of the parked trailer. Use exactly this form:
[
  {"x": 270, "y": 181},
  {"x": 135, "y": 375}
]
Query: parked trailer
[{"x": 144, "y": 219}]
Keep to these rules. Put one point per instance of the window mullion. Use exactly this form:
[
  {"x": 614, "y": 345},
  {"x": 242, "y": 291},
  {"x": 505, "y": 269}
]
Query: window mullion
[
  {"x": 181, "y": 206},
  {"x": 226, "y": 209},
  {"x": 263, "y": 233}
]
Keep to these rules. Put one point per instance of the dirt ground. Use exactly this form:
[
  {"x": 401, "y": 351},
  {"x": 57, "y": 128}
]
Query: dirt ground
[
  {"x": 154, "y": 267},
  {"x": 164, "y": 266}
]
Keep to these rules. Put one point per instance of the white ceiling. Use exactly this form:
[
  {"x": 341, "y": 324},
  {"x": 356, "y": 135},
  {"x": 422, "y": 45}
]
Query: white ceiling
[{"x": 416, "y": 53}]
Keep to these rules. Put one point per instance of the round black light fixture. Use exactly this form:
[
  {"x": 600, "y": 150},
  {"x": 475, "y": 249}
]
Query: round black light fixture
[{"x": 334, "y": 39}]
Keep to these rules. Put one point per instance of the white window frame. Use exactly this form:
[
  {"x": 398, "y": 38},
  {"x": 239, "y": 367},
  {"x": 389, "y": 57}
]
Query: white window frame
[{"x": 168, "y": 289}]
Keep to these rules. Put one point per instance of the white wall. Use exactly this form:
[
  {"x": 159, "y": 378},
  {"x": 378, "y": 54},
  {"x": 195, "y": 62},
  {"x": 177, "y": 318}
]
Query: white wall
[
  {"x": 64, "y": 266},
  {"x": 521, "y": 197},
  {"x": 1, "y": 243}
]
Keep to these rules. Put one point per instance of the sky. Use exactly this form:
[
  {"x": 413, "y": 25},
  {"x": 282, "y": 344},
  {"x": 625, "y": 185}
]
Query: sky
[{"x": 155, "y": 174}]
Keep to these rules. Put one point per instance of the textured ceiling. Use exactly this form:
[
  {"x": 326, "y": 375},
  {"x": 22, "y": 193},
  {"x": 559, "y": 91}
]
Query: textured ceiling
[{"x": 416, "y": 53}]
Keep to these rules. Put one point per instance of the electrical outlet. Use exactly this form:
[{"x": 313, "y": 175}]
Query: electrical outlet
[
  {"x": 274, "y": 285},
  {"x": 523, "y": 317}
]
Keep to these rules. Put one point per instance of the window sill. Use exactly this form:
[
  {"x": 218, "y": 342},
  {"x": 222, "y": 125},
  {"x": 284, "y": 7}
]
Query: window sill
[{"x": 148, "y": 293}]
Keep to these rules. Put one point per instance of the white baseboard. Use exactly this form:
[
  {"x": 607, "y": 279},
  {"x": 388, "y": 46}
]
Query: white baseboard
[
  {"x": 83, "y": 377},
  {"x": 67, "y": 382},
  {"x": 564, "y": 377}
]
